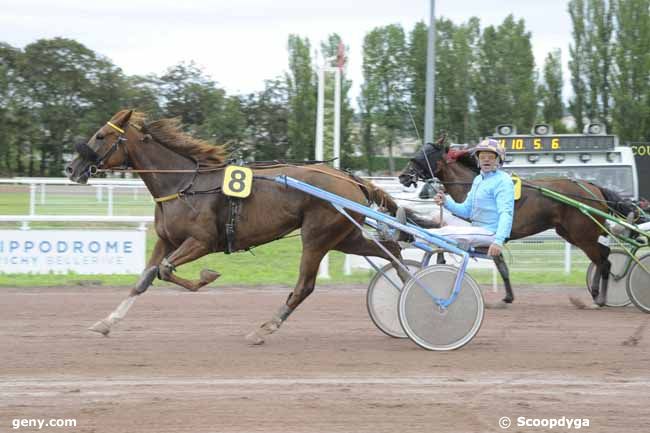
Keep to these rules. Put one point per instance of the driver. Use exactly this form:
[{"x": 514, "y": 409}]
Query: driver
[{"x": 489, "y": 205}]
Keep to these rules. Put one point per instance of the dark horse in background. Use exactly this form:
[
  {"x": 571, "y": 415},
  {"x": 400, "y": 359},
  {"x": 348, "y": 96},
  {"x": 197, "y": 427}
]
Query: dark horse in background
[
  {"x": 185, "y": 175},
  {"x": 534, "y": 212}
]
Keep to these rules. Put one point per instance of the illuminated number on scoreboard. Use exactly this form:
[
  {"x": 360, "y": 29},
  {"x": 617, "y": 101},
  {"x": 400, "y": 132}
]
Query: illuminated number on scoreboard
[
  {"x": 562, "y": 143},
  {"x": 237, "y": 181}
]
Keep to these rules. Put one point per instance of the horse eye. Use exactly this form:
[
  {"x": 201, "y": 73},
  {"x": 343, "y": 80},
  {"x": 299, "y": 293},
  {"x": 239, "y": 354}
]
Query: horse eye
[{"x": 99, "y": 136}]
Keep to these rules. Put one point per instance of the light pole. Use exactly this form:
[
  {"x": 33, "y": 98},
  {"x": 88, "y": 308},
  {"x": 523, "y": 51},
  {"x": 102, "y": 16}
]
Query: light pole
[
  {"x": 323, "y": 271},
  {"x": 429, "y": 112}
]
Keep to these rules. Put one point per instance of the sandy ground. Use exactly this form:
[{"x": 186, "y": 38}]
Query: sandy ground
[{"x": 179, "y": 363}]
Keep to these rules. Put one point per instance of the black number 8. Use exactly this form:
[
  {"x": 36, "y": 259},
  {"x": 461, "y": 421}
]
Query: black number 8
[{"x": 237, "y": 179}]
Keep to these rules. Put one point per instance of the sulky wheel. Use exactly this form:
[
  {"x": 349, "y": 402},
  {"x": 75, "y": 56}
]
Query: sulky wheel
[
  {"x": 434, "y": 328},
  {"x": 382, "y": 298},
  {"x": 638, "y": 283},
  {"x": 616, "y": 289}
]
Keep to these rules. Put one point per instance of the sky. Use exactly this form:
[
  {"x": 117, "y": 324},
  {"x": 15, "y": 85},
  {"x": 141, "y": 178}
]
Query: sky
[{"x": 241, "y": 43}]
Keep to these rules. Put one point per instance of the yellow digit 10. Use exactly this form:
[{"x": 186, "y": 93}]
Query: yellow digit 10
[
  {"x": 517, "y": 144},
  {"x": 555, "y": 143},
  {"x": 537, "y": 143}
]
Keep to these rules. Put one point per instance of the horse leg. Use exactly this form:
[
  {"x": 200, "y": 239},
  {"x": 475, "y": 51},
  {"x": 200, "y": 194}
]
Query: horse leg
[
  {"x": 190, "y": 250},
  {"x": 502, "y": 267},
  {"x": 605, "y": 267},
  {"x": 309, "y": 263},
  {"x": 161, "y": 249},
  {"x": 317, "y": 239},
  {"x": 598, "y": 254}
]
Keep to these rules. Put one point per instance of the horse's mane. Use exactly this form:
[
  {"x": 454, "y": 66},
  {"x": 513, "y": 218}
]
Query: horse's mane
[
  {"x": 464, "y": 158},
  {"x": 170, "y": 134}
]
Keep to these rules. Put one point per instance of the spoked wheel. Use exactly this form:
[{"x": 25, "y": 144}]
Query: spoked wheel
[
  {"x": 434, "y": 328},
  {"x": 382, "y": 299},
  {"x": 617, "y": 288},
  {"x": 638, "y": 284}
]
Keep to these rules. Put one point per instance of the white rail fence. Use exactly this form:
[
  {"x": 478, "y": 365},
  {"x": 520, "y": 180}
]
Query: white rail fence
[{"x": 127, "y": 202}]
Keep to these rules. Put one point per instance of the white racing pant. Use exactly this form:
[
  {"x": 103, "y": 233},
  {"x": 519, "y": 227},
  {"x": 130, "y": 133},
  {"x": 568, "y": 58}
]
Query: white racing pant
[{"x": 464, "y": 233}]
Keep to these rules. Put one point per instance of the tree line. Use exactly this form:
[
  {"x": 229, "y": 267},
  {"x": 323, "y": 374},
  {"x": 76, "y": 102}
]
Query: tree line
[{"x": 56, "y": 92}]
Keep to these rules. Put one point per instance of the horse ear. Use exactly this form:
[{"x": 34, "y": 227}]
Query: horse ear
[
  {"x": 442, "y": 138},
  {"x": 123, "y": 117},
  {"x": 127, "y": 117}
]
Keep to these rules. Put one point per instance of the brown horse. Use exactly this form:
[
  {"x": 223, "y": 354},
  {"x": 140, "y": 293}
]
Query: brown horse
[
  {"x": 185, "y": 175},
  {"x": 534, "y": 212}
]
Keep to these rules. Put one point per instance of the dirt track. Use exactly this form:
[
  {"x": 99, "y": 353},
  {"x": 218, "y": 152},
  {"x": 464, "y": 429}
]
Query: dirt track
[{"x": 179, "y": 363}]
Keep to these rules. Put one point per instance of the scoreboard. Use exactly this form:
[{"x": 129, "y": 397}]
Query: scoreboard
[{"x": 556, "y": 143}]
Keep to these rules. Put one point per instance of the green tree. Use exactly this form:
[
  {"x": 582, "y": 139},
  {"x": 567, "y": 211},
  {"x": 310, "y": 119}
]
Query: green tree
[
  {"x": 226, "y": 123},
  {"x": 384, "y": 92},
  {"x": 578, "y": 53},
  {"x": 188, "y": 93},
  {"x": 60, "y": 82},
  {"x": 504, "y": 81},
  {"x": 8, "y": 110},
  {"x": 417, "y": 72},
  {"x": 591, "y": 60},
  {"x": 552, "y": 109},
  {"x": 267, "y": 119},
  {"x": 631, "y": 90},
  {"x": 600, "y": 18},
  {"x": 143, "y": 93},
  {"x": 301, "y": 86}
]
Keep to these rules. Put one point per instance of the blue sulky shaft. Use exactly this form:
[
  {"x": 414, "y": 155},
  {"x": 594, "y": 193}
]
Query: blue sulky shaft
[{"x": 414, "y": 230}]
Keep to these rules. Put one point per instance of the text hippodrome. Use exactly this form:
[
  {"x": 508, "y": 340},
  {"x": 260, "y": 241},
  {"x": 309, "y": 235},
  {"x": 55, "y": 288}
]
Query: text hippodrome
[{"x": 62, "y": 247}]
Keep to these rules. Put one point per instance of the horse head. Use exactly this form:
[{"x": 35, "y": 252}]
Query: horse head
[
  {"x": 105, "y": 149},
  {"x": 425, "y": 164}
]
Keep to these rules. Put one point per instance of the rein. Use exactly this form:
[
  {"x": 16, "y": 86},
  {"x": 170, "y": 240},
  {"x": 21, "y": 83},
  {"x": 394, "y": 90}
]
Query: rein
[{"x": 84, "y": 149}]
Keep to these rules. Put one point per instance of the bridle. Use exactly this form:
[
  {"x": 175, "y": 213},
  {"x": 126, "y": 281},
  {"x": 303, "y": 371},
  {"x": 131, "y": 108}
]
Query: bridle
[{"x": 97, "y": 161}]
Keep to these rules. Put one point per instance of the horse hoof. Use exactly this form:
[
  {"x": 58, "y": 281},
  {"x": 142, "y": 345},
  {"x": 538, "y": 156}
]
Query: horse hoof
[
  {"x": 101, "y": 327},
  {"x": 254, "y": 338},
  {"x": 271, "y": 326},
  {"x": 209, "y": 276},
  {"x": 577, "y": 303}
]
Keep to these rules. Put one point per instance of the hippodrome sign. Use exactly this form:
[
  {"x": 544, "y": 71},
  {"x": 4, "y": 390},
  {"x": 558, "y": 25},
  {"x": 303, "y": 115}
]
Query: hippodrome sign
[
  {"x": 80, "y": 251},
  {"x": 563, "y": 143}
]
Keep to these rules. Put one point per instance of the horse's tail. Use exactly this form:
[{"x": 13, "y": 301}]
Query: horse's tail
[
  {"x": 383, "y": 199},
  {"x": 617, "y": 205}
]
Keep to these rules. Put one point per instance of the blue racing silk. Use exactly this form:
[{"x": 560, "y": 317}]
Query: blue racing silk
[{"x": 490, "y": 204}]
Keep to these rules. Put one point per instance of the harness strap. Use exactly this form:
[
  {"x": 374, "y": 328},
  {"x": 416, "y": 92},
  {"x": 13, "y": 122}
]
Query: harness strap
[
  {"x": 115, "y": 127},
  {"x": 581, "y": 185},
  {"x": 167, "y": 198},
  {"x": 233, "y": 211}
]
